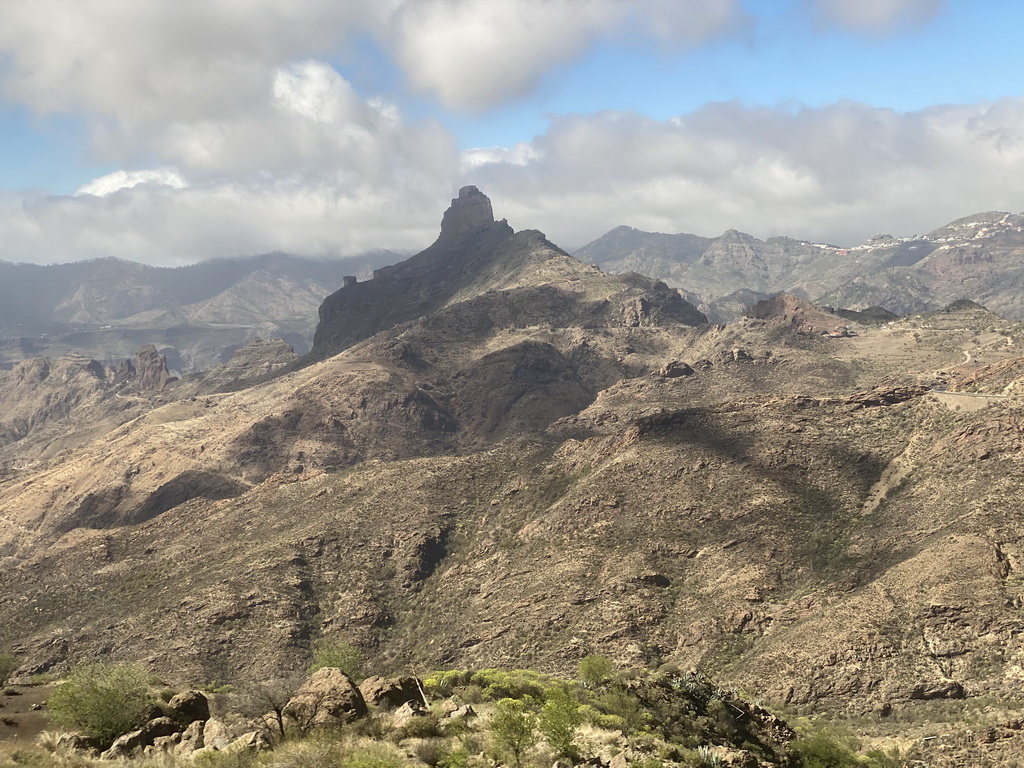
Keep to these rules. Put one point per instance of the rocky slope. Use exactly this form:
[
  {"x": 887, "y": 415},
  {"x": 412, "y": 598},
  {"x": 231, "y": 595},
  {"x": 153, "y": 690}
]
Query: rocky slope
[{"x": 526, "y": 461}]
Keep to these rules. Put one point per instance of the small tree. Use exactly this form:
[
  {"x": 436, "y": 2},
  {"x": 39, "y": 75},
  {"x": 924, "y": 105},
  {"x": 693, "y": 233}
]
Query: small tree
[
  {"x": 8, "y": 663},
  {"x": 343, "y": 656},
  {"x": 266, "y": 702},
  {"x": 595, "y": 671},
  {"x": 103, "y": 701},
  {"x": 559, "y": 721},
  {"x": 514, "y": 729}
]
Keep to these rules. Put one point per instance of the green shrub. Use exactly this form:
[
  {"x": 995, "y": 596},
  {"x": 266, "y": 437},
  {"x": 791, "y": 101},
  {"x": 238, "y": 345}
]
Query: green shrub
[
  {"x": 512, "y": 683},
  {"x": 514, "y": 729},
  {"x": 560, "y": 719},
  {"x": 8, "y": 663},
  {"x": 623, "y": 705},
  {"x": 595, "y": 671},
  {"x": 374, "y": 756},
  {"x": 340, "y": 655},
  {"x": 103, "y": 701},
  {"x": 826, "y": 750},
  {"x": 444, "y": 683}
]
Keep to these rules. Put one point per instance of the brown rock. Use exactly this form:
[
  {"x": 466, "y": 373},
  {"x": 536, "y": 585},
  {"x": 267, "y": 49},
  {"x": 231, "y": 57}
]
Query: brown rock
[
  {"x": 390, "y": 692},
  {"x": 675, "y": 369},
  {"x": 189, "y": 706},
  {"x": 327, "y": 698}
]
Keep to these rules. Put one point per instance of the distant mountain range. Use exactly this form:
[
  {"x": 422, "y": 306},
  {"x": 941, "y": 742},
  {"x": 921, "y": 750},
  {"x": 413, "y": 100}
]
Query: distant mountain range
[
  {"x": 977, "y": 257},
  {"x": 196, "y": 315}
]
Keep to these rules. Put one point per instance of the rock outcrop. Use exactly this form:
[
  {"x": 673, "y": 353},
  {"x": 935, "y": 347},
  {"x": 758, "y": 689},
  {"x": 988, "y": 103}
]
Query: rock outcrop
[{"x": 469, "y": 212}]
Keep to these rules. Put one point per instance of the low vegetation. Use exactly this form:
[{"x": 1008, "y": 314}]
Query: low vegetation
[{"x": 473, "y": 719}]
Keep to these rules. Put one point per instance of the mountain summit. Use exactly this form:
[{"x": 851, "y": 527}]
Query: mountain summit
[
  {"x": 470, "y": 211},
  {"x": 476, "y": 255}
]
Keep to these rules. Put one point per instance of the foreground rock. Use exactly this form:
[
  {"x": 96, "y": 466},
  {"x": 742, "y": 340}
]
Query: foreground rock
[{"x": 327, "y": 698}]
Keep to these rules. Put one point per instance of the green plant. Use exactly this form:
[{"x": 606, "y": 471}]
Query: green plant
[
  {"x": 630, "y": 715},
  {"x": 826, "y": 750},
  {"x": 374, "y": 756},
  {"x": 103, "y": 701},
  {"x": 595, "y": 671},
  {"x": 559, "y": 720},
  {"x": 8, "y": 663},
  {"x": 340, "y": 655},
  {"x": 514, "y": 729}
]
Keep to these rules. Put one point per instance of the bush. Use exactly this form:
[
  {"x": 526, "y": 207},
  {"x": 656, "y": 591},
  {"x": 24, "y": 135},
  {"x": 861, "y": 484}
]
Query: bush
[
  {"x": 512, "y": 683},
  {"x": 103, "y": 701},
  {"x": 560, "y": 719},
  {"x": 826, "y": 750},
  {"x": 8, "y": 663},
  {"x": 343, "y": 656},
  {"x": 595, "y": 671},
  {"x": 514, "y": 729}
]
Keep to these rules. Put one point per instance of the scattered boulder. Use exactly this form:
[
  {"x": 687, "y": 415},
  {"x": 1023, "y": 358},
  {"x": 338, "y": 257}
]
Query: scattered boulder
[
  {"x": 327, "y": 698},
  {"x": 390, "y": 692},
  {"x": 191, "y": 738},
  {"x": 407, "y": 712},
  {"x": 134, "y": 742},
  {"x": 76, "y": 742},
  {"x": 252, "y": 741},
  {"x": 189, "y": 706},
  {"x": 675, "y": 369}
]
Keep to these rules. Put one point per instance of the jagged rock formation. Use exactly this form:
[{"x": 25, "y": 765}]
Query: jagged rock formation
[{"x": 477, "y": 259}]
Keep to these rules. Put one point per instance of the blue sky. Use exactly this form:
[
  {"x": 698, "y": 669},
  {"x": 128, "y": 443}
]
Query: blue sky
[{"x": 173, "y": 130}]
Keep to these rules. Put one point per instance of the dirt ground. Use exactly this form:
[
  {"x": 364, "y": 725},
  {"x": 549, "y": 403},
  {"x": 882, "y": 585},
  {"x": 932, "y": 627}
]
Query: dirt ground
[{"x": 23, "y": 713}]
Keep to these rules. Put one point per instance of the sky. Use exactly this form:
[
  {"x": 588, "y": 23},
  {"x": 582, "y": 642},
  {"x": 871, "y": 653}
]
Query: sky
[{"x": 169, "y": 131}]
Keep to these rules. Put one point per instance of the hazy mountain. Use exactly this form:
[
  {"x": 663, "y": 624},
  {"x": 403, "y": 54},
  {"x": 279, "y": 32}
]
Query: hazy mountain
[
  {"x": 197, "y": 315},
  {"x": 974, "y": 257}
]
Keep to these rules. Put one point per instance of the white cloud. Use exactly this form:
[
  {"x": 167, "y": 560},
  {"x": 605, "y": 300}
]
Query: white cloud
[
  {"x": 112, "y": 182},
  {"x": 876, "y": 16},
  {"x": 836, "y": 174},
  {"x": 473, "y": 54},
  {"x": 839, "y": 173}
]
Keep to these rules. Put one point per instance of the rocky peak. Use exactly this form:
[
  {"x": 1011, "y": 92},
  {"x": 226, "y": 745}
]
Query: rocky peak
[
  {"x": 151, "y": 369},
  {"x": 471, "y": 210}
]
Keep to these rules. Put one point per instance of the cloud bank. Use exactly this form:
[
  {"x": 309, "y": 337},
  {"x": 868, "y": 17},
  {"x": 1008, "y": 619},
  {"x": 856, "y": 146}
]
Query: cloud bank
[{"x": 242, "y": 136}]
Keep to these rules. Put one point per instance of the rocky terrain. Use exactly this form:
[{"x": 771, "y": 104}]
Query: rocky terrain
[
  {"x": 496, "y": 455},
  {"x": 196, "y": 315},
  {"x": 976, "y": 257}
]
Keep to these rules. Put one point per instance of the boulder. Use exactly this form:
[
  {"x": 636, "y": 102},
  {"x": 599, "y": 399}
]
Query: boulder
[
  {"x": 675, "y": 369},
  {"x": 252, "y": 741},
  {"x": 408, "y": 711},
  {"x": 134, "y": 742},
  {"x": 390, "y": 692},
  {"x": 76, "y": 742},
  {"x": 217, "y": 734},
  {"x": 191, "y": 739},
  {"x": 189, "y": 706},
  {"x": 327, "y": 698}
]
